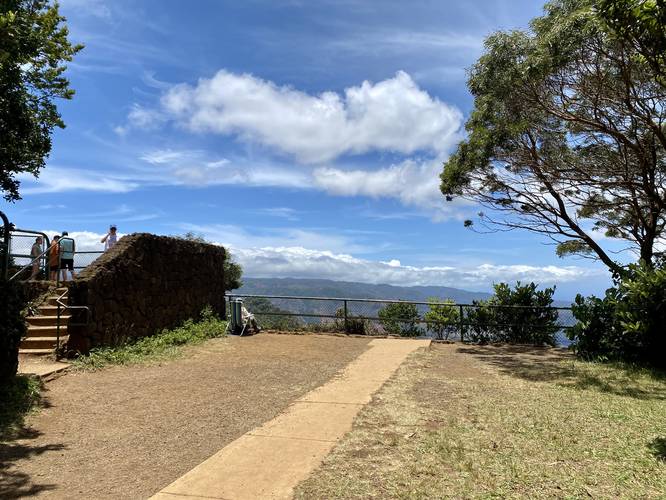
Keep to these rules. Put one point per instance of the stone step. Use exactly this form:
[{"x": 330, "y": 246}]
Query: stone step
[
  {"x": 36, "y": 352},
  {"x": 48, "y": 320},
  {"x": 32, "y": 332},
  {"x": 51, "y": 301},
  {"x": 52, "y": 310},
  {"x": 39, "y": 343},
  {"x": 46, "y": 331}
]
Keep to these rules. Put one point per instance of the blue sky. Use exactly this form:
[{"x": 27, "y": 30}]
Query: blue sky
[{"x": 307, "y": 136}]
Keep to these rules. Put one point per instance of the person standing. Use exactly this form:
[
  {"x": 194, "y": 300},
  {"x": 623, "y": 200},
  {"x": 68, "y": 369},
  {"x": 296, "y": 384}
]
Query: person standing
[
  {"x": 67, "y": 250},
  {"x": 54, "y": 258},
  {"x": 35, "y": 252},
  {"x": 110, "y": 239}
]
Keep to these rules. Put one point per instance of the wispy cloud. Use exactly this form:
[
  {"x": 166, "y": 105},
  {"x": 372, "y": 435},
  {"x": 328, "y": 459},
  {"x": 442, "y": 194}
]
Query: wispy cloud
[
  {"x": 279, "y": 212},
  {"x": 401, "y": 41},
  {"x": 56, "y": 179}
]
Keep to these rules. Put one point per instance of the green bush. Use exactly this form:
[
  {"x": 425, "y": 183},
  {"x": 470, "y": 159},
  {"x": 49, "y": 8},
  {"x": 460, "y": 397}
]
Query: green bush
[
  {"x": 18, "y": 397},
  {"x": 628, "y": 324},
  {"x": 161, "y": 345},
  {"x": 353, "y": 325},
  {"x": 12, "y": 328},
  {"x": 265, "y": 313},
  {"x": 400, "y": 318},
  {"x": 442, "y": 318},
  {"x": 522, "y": 315}
]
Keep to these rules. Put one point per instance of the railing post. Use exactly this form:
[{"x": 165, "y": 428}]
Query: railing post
[
  {"x": 345, "y": 316},
  {"x": 461, "y": 323},
  {"x": 58, "y": 327}
]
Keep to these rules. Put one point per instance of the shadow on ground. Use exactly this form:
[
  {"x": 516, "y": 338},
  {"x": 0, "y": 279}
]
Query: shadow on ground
[
  {"x": 543, "y": 364},
  {"x": 658, "y": 448},
  {"x": 18, "y": 400}
]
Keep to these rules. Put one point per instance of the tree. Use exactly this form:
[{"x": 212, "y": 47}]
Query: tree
[
  {"x": 33, "y": 48},
  {"x": 442, "y": 318},
  {"x": 232, "y": 269},
  {"x": 400, "y": 318},
  {"x": 641, "y": 23},
  {"x": 567, "y": 136}
]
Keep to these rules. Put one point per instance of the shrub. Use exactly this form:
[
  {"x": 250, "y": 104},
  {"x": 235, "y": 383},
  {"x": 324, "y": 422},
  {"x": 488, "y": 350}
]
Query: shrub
[
  {"x": 353, "y": 325},
  {"x": 443, "y": 318},
  {"x": 160, "y": 345},
  {"x": 400, "y": 318},
  {"x": 12, "y": 328},
  {"x": 522, "y": 315},
  {"x": 628, "y": 323}
]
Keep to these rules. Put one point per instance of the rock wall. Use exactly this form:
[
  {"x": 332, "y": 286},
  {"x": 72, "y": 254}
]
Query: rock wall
[
  {"x": 144, "y": 284},
  {"x": 35, "y": 291}
]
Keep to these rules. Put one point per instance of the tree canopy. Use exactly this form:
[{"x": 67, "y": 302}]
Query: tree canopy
[
  {"x": 567, "y": 136},
  {"x": 33, "y": 48}
]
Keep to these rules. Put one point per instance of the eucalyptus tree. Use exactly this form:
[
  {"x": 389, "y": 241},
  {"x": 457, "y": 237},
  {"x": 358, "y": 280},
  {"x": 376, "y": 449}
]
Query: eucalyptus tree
[
  {"x": 567, "y": 137},
  {"x": 34, "y": 46}
]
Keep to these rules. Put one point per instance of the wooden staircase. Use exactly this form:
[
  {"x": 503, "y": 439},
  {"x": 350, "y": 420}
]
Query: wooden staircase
[{"x": 42, "y": 336}]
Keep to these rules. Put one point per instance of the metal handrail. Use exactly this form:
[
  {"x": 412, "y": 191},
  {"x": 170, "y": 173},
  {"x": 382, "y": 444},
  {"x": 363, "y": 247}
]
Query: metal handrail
[
  {"x": 461, "y": 323},
  {"x": 60, "y": 304},
  {"x": 390, "y": 301}
]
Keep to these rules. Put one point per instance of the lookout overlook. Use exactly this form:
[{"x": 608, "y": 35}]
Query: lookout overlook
[{"x": 332, "y": 250}]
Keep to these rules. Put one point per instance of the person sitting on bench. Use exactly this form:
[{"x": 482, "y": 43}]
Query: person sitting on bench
[{"x": 248, "y": 319}]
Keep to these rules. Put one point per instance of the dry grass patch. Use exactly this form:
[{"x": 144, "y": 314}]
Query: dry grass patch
[{"x": 491, "y": 422}]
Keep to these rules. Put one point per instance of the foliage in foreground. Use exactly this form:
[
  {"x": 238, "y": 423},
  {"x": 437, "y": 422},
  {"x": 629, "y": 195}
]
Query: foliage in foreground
[
  {"x": 522, "y": 315},
  {"x": 12, "y": 328},
  {"x": 628, "y": 324},
  {"x": 33, "y": 50},
  {"x": 400, "y": 318},
  {"x": 17, "y": 398},
  {"x": 509, "y": 428},
  {"x": 158, "y": 346},
  {"x": 442, "y": 318}
]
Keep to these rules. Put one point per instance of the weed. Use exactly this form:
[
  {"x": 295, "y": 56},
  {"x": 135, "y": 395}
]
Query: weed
[
  {"x": 163, "y": 345},
  {"x": 17, "y": 398}
]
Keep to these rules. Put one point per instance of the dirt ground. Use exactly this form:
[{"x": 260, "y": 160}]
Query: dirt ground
[{"x": 126, "y": 432}]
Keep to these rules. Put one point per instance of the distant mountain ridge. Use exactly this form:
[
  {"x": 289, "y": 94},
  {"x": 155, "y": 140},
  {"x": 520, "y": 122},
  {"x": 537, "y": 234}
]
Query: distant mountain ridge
[{"x": 309, "y": 287}]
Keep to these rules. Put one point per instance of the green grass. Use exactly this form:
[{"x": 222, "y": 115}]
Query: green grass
[
  {"x": 164, "y": 345},
  {"x": 17, "y": 399},
  {"x": 498, "y": 425}
]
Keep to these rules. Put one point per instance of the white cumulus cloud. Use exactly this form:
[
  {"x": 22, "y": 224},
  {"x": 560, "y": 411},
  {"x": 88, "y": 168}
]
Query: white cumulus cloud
[
  {"x": 302, "y": 254},
  {"x": 391, "y": 115}
]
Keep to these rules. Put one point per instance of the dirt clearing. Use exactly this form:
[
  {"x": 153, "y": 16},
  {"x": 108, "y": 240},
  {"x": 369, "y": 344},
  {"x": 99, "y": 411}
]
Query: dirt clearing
[
  {"x": 503, "y": 422},
  {"x": 126, "y": 432}
]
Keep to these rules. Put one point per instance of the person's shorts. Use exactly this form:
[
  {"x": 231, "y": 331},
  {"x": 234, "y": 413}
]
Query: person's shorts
[{"x": 67, "y": 264}]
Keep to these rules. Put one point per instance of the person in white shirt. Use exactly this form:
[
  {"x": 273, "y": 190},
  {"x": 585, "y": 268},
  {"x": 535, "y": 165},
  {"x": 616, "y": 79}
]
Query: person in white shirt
[
  {"x": 110, "y": 239},
  {"x": 248, "y": 317}
]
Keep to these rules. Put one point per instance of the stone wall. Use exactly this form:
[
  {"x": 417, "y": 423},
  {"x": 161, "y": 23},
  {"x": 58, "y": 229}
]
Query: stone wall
[
  {"x": 143, "y": 284},
  {"x": 36, "y": 291}
]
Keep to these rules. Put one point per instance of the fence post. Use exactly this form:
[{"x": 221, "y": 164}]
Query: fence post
[
  {"x": 345, "y": 316},
  {"x": 462, "y": 324}
]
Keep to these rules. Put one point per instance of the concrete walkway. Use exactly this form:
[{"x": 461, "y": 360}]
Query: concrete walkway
[
  {"x": 269, "y": 461},
  {"x": 42, "y": 366}
]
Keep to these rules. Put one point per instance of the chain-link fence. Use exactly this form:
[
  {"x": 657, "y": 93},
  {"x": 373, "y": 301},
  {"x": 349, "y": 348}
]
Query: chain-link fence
[
  {"x": 21, "y": 242},
  {"x": 443, "y": 320}
]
